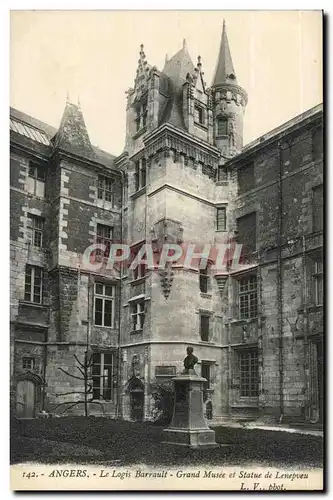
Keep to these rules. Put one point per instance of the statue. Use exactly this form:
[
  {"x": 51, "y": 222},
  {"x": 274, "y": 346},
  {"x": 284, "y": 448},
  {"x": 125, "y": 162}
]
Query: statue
[{"x": 190, "y": 359}]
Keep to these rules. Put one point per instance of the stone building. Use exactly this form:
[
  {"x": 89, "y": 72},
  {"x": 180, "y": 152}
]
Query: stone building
[{"x": 183, "y": 177}]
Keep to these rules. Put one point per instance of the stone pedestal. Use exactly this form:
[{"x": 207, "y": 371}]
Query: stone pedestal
[{"x": 188, "y": 426}]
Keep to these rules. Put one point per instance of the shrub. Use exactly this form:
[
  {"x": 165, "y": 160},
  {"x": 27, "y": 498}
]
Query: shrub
[{"x": 163, "y": 397}]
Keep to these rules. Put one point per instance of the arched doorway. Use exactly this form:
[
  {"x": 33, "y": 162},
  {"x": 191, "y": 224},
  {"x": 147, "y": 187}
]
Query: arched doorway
[
  {"x": 26, "y": 398},
  {"x": 136, "y": 391}
]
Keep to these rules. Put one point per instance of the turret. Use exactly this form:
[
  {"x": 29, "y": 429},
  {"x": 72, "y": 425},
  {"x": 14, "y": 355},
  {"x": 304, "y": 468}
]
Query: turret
[{"x": 229, "y": 101}]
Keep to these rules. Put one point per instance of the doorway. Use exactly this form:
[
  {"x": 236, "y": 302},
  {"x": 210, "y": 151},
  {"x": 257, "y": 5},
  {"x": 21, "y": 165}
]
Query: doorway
[
  {"x": 26, "y": 399},
  {"x": 136, "y": 400}
]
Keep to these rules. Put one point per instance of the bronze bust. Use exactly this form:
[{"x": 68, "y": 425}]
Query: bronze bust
[{"x": 190, "y": 359}]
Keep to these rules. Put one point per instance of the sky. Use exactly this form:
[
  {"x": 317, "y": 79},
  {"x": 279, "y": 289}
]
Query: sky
[{"x": 92, "y": 56}]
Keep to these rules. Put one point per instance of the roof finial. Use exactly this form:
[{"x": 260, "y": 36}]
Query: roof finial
[
  {"x": 184, "y": 43},
  {"x": 224, "y": 24},
  {"x": 67, "y": 96},
  {"x": 199, "y": 64},
  {"x": 142, "y": 54},
  {"x": 166, "y": 58}
]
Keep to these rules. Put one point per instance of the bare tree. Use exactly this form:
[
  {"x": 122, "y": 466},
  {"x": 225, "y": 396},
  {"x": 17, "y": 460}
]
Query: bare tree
[{"x": 84, "y": 369}]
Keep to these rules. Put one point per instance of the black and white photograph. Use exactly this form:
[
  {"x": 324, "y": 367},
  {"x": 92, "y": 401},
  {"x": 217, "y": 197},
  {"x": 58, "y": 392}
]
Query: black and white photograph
[{"x": 166, "y": 250}]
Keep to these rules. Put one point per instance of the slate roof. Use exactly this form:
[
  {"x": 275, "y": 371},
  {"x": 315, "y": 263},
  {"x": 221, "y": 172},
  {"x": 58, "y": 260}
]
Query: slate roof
[
  {"x": 69, "y": 136},
  {"x": 175, "y": 71},
  {"x": 224, "y": 71}
]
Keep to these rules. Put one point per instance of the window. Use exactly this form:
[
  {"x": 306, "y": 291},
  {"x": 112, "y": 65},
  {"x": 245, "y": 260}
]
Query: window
[
  {"x": 246, "y": 232},
  {"x": 318, "y": 208},
  {"x": 35, "y": 230},
  {"x": 140, "y": 270},
  {"x": 222, "y": 173},
  {"x": 104, "y": 237},
  {"x": 222, "y": 126},
  {"x": 317, "y": 143},
  {"x": 221, "y": 219},
  {"x": 198, "y": 115},
  {"x": 141, "y": 115},
  {"x": 203, "y": 280},
  {"x": 28, "y": 363},
  {"x": 126, "y": 190},
  {"x": 246, "y": 178},
  {"x": 318, "y": 277},
  {"x": 249, "y": 373},
  {"x": 33, "y": 284},
  {"x": 205, "y": 373},
  {"x": 137, "y": 315},
  {"x": 104, "y": 304},
  {"x": 104, "y": 190},
  {"x": 103, "y": 376},
  {"x": 36, "y": 180},
  {"x": 248, "y": 300},
  {"x": 140, "y": 174},
  {"x": 204, "y": 327}
]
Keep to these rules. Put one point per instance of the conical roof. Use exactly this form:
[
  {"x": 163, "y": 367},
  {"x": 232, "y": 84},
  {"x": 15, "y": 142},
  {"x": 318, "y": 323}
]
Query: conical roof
[
  {"x": 72, "y": 133},
  {"x": 224, "y": 71}
]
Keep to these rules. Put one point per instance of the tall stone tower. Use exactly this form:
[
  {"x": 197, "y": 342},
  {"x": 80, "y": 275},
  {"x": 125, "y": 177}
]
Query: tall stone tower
[
  {"x": 229, "y": 102},
  {"x": 173, "y": 151}
]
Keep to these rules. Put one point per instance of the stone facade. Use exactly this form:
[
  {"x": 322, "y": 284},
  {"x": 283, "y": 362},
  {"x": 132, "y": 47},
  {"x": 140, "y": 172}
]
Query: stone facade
[{"x": 184, "y": 177}]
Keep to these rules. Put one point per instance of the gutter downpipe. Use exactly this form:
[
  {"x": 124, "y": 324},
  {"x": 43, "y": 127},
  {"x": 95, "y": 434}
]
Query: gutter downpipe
[
  {"x": 118, "y": 403},
  {"x": 280, "y": 290}
]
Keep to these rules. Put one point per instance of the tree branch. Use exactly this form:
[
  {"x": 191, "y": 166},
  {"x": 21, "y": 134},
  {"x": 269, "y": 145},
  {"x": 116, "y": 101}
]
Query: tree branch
[
  {"x": 72, "y": 392},
  {"x": 77, "y": 359},
  {"x": 69, "y": 374},
  {"x": 81, "y": 371},
  {"x": 69, "y": 407}
]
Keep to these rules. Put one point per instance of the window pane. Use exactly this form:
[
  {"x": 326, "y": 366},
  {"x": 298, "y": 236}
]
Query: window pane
[
  {"x": 41, "y": 173},
  {"x": 109, "y": 290},
  {"x": 108, "y": 359},
  {"x": 32, "y": 171},
  {"x": 98, "y": 311},
  {"x": 99, "y": 288},
  {"x": 107, "y": 319}
]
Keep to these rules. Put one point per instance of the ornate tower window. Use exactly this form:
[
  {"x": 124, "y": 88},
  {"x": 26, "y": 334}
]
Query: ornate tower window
[
  {"x": 140, "y": 174},
  {"x": 199, "y": 115},
  {"x": 141, "y": 114},
  {"x": 222, "y": 126},
  {"x": 222, "y": 173}
]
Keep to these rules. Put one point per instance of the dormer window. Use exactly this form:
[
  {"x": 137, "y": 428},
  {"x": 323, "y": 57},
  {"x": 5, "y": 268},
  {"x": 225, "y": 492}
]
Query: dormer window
[
  {"x": 199, "y": 115},
  {"x": 141, "y": 115}
]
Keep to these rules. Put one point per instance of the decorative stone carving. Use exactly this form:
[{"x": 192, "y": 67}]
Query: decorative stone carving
[
  {"x": 221, "y": 282},
  {"x": 166, "y": 231},
  {"x": 136, "y": 365}
]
